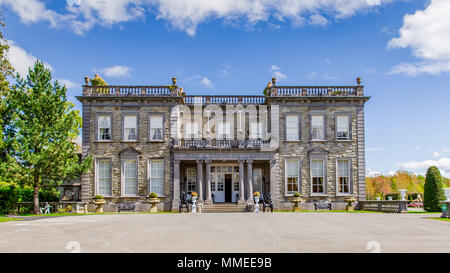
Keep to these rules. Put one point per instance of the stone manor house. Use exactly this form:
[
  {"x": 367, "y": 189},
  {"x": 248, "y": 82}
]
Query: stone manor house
[{"x": 306, "y": 139}]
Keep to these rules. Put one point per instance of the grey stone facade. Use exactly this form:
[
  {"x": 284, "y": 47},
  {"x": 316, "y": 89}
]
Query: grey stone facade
[{"x": 180, "y": 155}]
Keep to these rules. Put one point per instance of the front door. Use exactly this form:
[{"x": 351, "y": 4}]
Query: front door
[{"x": 228, "y": 189}]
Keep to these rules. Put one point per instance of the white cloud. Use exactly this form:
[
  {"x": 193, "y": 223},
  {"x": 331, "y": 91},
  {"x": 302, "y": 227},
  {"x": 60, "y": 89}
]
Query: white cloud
[
  {"x": 317, "y": 19},
  {"x": 69, "y": 84},
  {"x": 21, "y": 60},
  {"x": 372, "y": 149},
  {"x": 426, "y": 33},
  {"x": 33, "y": 11},
  {"x": 200, "y": 80},
  {"x": 117, "y": 71},
  {"x": 441, "y": 152},
  {"x": 83, "y": 15},
  {"x": 372, "y": 173},
  {"x": 442, "y": 163},
  {"x": 276, "y": 72},
  {"x": 311, "y": 75},
  {"x": 206, "y": 82}
]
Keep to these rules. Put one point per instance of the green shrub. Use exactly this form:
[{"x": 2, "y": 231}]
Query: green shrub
[
  {"x": 98, "y": 196},
  {"x": 153, "y": 195},
  {"x": 433, "y": 192},
  {"x": 11, "y": 194},
  {"x": 296, "y": 194}
]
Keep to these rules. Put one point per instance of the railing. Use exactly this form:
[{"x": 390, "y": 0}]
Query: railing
[
  {"x": 224, "y": 99},
  {"x": 219, "y": 143},
  {"x": 114, "y": 90},
  {"x": 316, "y": 91},
  {"x": 26, "y": 207},
  {"x": 396, "y": 206}
]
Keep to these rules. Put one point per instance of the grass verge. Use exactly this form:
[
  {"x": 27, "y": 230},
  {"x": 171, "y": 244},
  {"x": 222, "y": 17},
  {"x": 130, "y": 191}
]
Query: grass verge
[{"x": 441, "y": 219}]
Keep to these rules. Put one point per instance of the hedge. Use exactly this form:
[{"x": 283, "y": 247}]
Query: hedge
[{"x": 11, "y": 194}]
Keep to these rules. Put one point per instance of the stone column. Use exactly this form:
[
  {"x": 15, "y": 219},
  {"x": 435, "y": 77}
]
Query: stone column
[
  {"x": 200, "y": 180},
  {"x": 176, "y": 186},
  {"x": 250, "y": 180},
  {"x": 208, "y": 182},
  {"x": 241, "y": 182},
  {"x": 274, "y": 181}
]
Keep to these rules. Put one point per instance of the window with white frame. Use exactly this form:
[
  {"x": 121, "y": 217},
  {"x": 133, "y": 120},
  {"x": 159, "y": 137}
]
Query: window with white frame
[
  {"x": 343, "y": 175},
  {"x": 256, "y": 130},
  {"x": 130, "y": 127},
  {"x": 292, "y": 127},
  {"x": 318, "y": 175},
  {"x": 156, "y": 127},
  {"x": 191, "y": 180},
  {"x": 104, "y": 127},
  {"x": 130, "y": 177},
  {"x": 104, "y": 177},
  {"x": 342, "y": 127},
  {"x": 191, "y": 129},
  {"x": 157, "y": 176},
  {"x": 292, "y": 175},
  {"x": 224, "y": 130},
  {"x": 317, "y": 127}
]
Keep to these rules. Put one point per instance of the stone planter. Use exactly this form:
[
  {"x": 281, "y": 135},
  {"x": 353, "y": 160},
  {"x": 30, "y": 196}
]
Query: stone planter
[
  {"x": 295, "y": 201},
  {"x": 99, "y": 203},
  {"x": 349, "y": 200},
  {"x": 153, "y": 202}
]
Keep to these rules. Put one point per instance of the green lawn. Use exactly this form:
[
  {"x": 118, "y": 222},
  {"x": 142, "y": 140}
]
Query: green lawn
[
  {"x": 344, "y": 211},
  {"x": 6, "y": 219},
  {"x": 81, "y": 214},
  {"x": 423, "y": 212},
  {"x": 441, "y": 219}
]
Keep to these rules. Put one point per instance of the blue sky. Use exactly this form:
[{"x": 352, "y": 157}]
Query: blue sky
[{"x": 401, "y": 49}]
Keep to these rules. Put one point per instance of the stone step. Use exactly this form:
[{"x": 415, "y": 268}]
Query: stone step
[{"x": 226, "y": 207}]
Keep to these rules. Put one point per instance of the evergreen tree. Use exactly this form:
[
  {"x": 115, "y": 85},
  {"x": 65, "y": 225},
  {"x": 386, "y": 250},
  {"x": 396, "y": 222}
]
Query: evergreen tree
[
  {"x": 6, "y": 71},
  {"x": 44, "y": 125},
  {"x": 433, "y": 192}
]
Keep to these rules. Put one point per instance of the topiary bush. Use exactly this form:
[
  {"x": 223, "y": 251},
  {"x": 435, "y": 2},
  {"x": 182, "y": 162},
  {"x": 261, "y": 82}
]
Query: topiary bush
[{"x": 433, "y": 192}]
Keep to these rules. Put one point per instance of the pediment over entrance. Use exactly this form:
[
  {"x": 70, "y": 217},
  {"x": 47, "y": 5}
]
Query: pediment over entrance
[
  {"x": 129, "y": 152},
  {"x": 318, "y": 151}
]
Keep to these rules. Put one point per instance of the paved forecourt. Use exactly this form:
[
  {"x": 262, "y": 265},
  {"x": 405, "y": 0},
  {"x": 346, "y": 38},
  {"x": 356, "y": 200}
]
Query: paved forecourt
[{"x": 229, "y": 232}]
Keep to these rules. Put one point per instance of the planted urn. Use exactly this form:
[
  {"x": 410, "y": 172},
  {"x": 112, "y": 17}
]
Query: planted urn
[
  {"x": 296, "y": 199},
  {"x": 349, "y": 200},
  {"x": 99, "y": 202},
  {"x": 256, "y": 196},
  {"x": 153, "y": 200},
  {"x": 194, "y": 197}
]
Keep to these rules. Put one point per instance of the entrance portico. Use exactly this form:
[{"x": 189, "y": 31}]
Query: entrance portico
[{"x": 221, "y": 177}]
